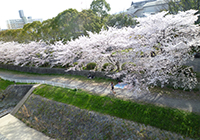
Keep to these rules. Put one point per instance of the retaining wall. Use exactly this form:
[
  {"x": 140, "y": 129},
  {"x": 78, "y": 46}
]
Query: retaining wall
[
  {"x": 53, "y": 71},
  {"x": 63, "y": 121},
  {"x": 195, "y": 64},
  {"x": 13, "y": 95}
]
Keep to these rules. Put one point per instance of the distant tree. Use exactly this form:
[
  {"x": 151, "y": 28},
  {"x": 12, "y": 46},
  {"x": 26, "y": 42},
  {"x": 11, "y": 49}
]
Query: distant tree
[
  {"x": 10, "y": 35},
  {"x": 173, "y": 6},
  {"x": 70, "y": 24},
  {"x": 46, "y": 30},
  {"x": 88, "y": 21},
  {"x": 67, "y": 25},
  {"x": 120, "y": 20},
  {"x": 16, "y": 35},
  {"x": 182, "y": 5},
  {"x": 31, "y": 32},
  {"x": 100, "y": 7},
  {"x": 64, "y": 25}
]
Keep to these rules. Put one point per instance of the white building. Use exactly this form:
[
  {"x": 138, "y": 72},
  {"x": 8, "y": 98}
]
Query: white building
[
  {"x": 19, "y": 23},
  {"x": 141, "y": 9}
]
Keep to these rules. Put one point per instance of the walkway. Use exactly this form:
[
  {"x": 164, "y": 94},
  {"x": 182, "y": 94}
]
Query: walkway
[
  {"x": 102, "y": 89},
  {"x": 12, "y": 128}
]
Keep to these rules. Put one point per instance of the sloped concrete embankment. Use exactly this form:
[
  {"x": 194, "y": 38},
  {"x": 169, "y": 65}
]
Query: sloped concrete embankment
[
  {"x": 13, "y": 94},
  {"x": 63, "y": 121}
]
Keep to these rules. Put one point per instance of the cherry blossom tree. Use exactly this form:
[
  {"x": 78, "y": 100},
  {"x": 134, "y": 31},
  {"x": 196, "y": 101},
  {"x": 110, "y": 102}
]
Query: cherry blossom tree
[{"x": 151, "y": 54}]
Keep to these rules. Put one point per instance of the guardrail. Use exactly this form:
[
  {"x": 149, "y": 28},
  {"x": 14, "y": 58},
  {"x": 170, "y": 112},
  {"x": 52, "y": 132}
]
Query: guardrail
[{"x": 40, "y": 82}]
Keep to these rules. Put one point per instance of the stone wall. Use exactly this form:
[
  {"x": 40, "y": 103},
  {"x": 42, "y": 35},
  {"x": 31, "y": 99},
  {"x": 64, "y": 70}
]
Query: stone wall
[
  {"x": 195, "y": 64},
  {"x": 52, "y": 71},
  {"x": 63, "y": 121},
  {"x": 13, "y": 94}
]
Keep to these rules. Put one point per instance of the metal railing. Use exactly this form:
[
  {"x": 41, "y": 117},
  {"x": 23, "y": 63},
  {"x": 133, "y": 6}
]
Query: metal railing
[{"x": 40, "y": 82}]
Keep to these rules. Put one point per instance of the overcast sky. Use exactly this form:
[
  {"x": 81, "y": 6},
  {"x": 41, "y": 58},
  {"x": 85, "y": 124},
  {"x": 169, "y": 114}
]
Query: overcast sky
[{"x": 46, "y": 9}]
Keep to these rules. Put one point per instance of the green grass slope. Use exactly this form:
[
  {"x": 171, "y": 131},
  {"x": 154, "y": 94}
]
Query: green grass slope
[{"x": 174, "y": 120}]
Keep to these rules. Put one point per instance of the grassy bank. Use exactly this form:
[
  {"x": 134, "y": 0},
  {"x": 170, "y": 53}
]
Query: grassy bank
[
  {"x": 174, "y": 120},
  {"x": 4, "y": 84}
]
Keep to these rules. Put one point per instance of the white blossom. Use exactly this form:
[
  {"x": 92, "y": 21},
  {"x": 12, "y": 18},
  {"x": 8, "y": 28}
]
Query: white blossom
[{"x": 153, "y": 53}]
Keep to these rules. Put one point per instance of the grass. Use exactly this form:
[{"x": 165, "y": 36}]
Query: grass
[
  {"x": 4, "y": 84},
  {"x": 174, "y": 120}
]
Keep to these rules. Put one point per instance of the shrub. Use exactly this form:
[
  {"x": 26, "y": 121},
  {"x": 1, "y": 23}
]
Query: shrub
[
  {"x": 123, "y": 66},
  {"x": 75, "y": 63},
  {"x": 90, "y": 66},
  {"x": 106, "y": 65}
]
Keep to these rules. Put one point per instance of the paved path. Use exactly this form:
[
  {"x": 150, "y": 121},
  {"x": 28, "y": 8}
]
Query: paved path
[
  {"x": 12, "y": 128},
  {"x": 102, "y": 89}
]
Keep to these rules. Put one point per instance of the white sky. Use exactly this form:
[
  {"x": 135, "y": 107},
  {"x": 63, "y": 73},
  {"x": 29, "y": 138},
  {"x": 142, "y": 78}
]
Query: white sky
[{"x": 46, "y": 9}]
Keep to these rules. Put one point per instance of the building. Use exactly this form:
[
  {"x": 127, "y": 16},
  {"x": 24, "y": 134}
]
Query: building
[
  {"x": 143, "y": 8},
  {"x": 19, "y": 23}
]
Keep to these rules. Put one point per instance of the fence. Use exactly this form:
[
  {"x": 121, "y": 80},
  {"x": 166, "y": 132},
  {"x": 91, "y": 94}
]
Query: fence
[{"x": 40, "y": 82}]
